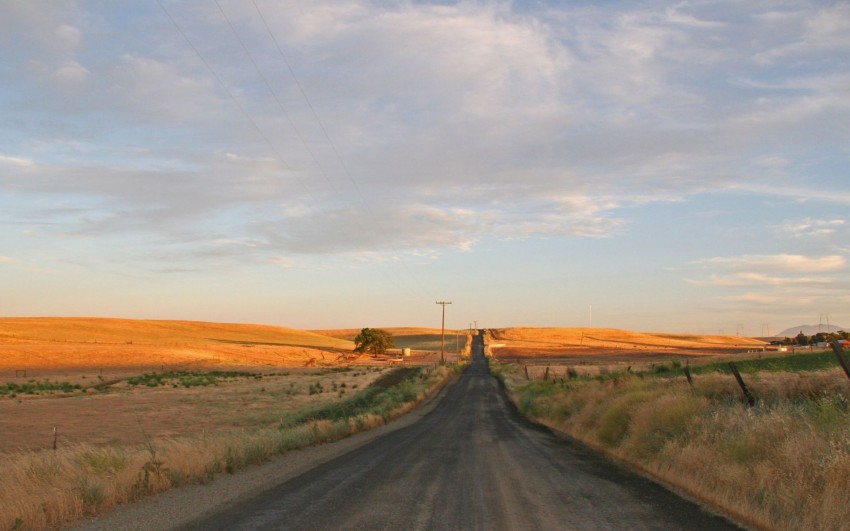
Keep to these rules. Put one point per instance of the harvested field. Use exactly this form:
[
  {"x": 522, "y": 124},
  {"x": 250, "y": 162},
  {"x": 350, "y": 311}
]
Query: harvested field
[
  {"x": 605, "y": 345},
  {"x": 43, "y": 346}
]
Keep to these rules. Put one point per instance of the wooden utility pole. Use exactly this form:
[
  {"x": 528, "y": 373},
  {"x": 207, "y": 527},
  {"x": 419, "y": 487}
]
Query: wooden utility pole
[{"x": 443, "y": 333}]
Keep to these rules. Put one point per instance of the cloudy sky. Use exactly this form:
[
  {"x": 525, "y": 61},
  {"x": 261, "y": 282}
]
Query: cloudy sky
[{"x": 660, "y": 166}]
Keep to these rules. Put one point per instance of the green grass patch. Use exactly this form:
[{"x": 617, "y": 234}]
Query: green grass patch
[
  {"x": 34, "y": 387},
  {"x": 809, "y": 361},
  {"x": 385, "y": 394},
  {"x": 189, "y": 378}
]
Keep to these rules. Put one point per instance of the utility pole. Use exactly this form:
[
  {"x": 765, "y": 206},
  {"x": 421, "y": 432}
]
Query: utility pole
[{"x": 443, "y": 333}]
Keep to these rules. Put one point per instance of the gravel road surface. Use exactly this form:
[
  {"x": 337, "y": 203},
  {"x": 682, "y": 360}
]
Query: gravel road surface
[{"x": 470, "y": 463}]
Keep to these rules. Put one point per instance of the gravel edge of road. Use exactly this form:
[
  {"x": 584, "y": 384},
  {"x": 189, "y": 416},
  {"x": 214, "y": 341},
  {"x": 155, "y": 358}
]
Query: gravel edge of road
[{"x": 179, "y": 506}]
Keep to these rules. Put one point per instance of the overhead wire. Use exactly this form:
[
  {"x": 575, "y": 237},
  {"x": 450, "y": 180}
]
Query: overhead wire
[
  {"x": 309, "y": 103},
  {"x": 235, "y": 100},
  {"x": 274, "y": 95},
  {"x": 366, "y": 204},
  {"x": 282, "y": 107}
]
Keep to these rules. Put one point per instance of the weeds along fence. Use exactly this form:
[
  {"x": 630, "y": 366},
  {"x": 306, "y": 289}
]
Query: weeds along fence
[
  {"x": 793, "y": 363},
  {"x": 776, "y": 459},
  {"x": 52, "y": 489}
]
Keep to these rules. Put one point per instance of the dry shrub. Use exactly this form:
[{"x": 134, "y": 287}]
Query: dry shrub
[
  {"x": 659, "y": 422},
  {"x": 615, "y": 421}
]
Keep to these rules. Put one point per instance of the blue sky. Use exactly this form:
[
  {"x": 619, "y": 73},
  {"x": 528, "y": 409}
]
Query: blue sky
[{"x": 676, "y": 166}]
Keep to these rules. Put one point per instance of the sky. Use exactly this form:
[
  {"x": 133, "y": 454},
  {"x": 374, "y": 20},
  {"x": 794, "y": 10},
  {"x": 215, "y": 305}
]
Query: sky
[{"x": 656, "y": 166}]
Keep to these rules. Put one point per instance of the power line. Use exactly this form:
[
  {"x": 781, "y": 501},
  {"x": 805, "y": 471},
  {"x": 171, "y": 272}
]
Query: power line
[
  {"x": 230, "y": 94},
  {"x": 309, "y": 104},
  {"x": 366, "y": 205},
  {"x": 443, "y": 333},
  {"x": 276, "y": 98}
]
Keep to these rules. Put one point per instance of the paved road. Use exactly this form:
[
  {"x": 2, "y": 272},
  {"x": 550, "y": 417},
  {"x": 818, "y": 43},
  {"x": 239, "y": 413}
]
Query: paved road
[{"x": 472, "y": 463}]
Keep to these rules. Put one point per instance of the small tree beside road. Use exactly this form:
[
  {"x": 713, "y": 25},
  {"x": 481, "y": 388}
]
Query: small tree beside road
[{"x": 373, "y": 340}]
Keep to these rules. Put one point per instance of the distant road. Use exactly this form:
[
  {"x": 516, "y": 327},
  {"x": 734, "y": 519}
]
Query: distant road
[{"x": 471, "y": 463}]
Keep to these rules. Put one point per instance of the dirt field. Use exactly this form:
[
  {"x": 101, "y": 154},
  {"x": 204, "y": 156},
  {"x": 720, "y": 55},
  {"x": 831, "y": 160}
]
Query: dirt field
[{"x": 123, "y": 414}]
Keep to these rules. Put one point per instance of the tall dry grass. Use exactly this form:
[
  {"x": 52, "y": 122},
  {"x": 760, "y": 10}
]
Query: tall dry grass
[
  {"x": 784, "y": 464},
  {"x": 52, "y": 489}
]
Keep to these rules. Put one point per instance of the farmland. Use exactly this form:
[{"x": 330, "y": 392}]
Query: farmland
[
  {"x": 781, "y": 463},
  {"x": 76, "y": 392}
]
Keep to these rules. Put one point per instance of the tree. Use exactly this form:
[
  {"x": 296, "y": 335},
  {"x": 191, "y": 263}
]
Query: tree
[
  {"x": 373, "y": 340},
  {"x": 802, "y": 339}
]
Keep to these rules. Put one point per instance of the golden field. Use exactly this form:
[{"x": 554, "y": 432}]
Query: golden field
[
  {"x": 597, "y": 345},
  {"x": 52, "y": 344}
]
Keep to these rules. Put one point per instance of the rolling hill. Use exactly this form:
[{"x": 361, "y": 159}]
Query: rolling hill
[
  {"x": 77, "y": 343},
  {"x": 809, "y": 330}
]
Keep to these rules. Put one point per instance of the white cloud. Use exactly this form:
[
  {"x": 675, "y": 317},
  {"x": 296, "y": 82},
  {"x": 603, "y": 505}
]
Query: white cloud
[
  {"x": 72, "y": 73},
  {"x": 21, "y": 162},
  {"x": 454, "y": 123},
  {"x": 772, "y": 301},
  {"x": 792, "y": 263},
  {"x": 806, "y": 32},
  {"x": 68, "y": 36},
  {"x": 811, "y": 228},
  {"x": 283, "y": 261},
  {"x": 827, "y": 195},
  {"x": 160, "y": 91},
  {"x": 755, "y": 279}
]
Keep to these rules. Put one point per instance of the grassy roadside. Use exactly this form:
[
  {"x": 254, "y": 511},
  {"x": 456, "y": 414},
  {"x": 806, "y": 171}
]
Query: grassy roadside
[
  {"x": 52, "y": 489},
  {"x": 783, "y": 464}
]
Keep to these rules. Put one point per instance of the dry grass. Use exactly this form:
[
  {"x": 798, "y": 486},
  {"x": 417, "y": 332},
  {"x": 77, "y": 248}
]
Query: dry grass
[
  {"x": 121, "y": 414},
  {"x": 568, "y": 342},
  {"x": 51, "y": 489},
  {"x": 784, "y": 464}
]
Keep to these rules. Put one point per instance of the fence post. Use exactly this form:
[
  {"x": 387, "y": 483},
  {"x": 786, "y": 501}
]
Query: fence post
[
  {"x": 687, "y": 371},
  {"x": 526, "y": 372},
  {"x": 546, "y": 374},
  {"x": 836, "y": 347},
  {"x": 750, "y": 399}
]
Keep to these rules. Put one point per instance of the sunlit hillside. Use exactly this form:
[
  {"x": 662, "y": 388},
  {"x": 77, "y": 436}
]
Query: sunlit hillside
[
  {"x": 27, "y": 343},
  {"x": 525, "y": 341}
]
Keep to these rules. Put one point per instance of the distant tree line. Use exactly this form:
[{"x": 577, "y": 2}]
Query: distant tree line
[{"x": 802, "y": 339}]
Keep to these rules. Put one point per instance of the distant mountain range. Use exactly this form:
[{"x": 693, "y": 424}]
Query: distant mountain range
[{"x": 809, "y": 330}]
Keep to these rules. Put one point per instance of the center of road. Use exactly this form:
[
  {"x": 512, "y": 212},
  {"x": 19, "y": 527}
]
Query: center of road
[{"x": 471, "y": 463}]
